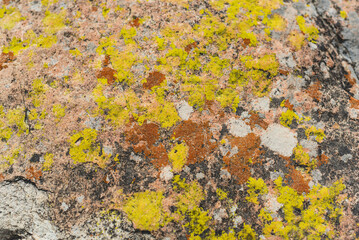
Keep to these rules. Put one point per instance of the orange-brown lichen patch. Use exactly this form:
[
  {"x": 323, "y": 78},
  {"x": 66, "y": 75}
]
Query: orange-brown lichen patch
[
  {"x": 143, "y": 139},
  {"x": 322, "y": 159},
  {"x": 238, "y": 168},
  {"x": 248, "y": 147},
  {"x": 31, "y": 173},
  {"x": 314, "y": 90},
  {"x": 106, "y": 61},
  {"x": 197, "y": 137},
  {"x": 6, "y": 58},
  {"x": 190, "y": 46},
  {"x": 107, "y": 73},
  {"x": 248, "y": 152},
  {"x": 255, "y": 119},
  {"x": 288, "y": 105},
  {"x": 135, "y": 22},
  {"x": 1, "y": 177},
  {"x": 245, "y": 42},
  {"x": 350, "y": 79},
  {"x": 354, "y": 103},
  {"x": 147, "y": 133},
  {"x": 159, "y": 156},
  {"x": 155, "y": 78},
  {"x": 6, "y": 2},
  {"x": 283, "y": 72},
  {"x": 297, "y": 181}
]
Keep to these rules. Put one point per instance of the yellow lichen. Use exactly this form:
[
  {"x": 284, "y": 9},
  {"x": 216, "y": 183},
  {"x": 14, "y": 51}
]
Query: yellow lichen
[
  {"x": 255, "y": 187},
  {"x": 54, "y": 22},
  {"x": 49, "y": 160},
  {"x": 178, "y": 156},
  {"x": 9, "y": 17},
  {"x": 313, "y": 131},
  {"x": 83, "y": 148},
  {"x": 145, "y": 210}
]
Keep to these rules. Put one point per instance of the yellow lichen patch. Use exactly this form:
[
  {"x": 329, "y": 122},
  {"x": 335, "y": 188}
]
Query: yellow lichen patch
[
  {"x": 313, "y": 131},
  {"x": 276, "y": 22},
  {"x": 315, "y": 220},
  {"x": 255, "y": 187},
  {"x": 267, "y": 63},
  {"x": 310, "y": 30},
  {"x": 38, "y": 92},
  {"x": 5, "y": 130},
  {"x": 145, "y": 210},
  {"x": 59, "y": 111},
  {"x": 9, "y": 157},
  {"x": 83, "y": 148},
  {"x": 75, "y": 52},
  {"x": 128, "y": 34},
  {"x": 343, "y": 14},
  {"x": 221, "y": 194},
  {"x": 54, "y": 22},
  {"x": 188, "y": 200},
  {"x": 287, "y": 118},
  {"x": 199, "y": 90},
  {"x": 9, "y": 17},
  {"x": 296, "y": 39},
  {"x": 228, "y": 97},
  {"x": 17, "y": 45},
  {"x": 247, "y": 233},
  {"x": 48, "y": 3},
  {"x": 48, "y": 161},
  {"x": 178, "y": 156},
  {"x": 16, "y": 117},
  {"x": 302, "y": 157},
  {"x": 118, "y": 108}
]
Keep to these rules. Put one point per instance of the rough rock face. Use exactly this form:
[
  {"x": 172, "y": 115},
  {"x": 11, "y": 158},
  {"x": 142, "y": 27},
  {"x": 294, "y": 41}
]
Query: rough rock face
[{"x": 179, "y": 119}]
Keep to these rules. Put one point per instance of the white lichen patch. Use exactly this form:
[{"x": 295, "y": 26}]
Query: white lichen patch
[
  {"x": 184, "y": 110},
  {"x": 279, "y": 139},
  {"x": 166, "y": 173},
  {"x": 238, "y": 128}
]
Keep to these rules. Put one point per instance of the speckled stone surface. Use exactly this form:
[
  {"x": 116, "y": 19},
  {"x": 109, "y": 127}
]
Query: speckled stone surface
[{"x": 179, "y": 119}]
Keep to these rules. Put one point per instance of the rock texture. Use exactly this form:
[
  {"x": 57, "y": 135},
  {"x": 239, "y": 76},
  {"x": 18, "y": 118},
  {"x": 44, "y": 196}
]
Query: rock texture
[{"x": 179, "y": 119}]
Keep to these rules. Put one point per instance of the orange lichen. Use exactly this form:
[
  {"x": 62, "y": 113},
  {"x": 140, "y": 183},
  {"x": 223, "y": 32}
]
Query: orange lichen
[
  {"x": 297, "y": 181},
  {"x": 350, "y": 79},
  {"x": 32, "y": 173},
  {"x": 107, "y": 73},
  {"x": 159, "y": 156},
  {"x": 288, "y": 105},
  {"x": 248, "y": 152},
  {"x": 135, "y": 22},
  {"x": 155, "y": 78},
  {"x": 255, "y": 119},
  {"x": 197, "y": 137},
  {"x": 190, "y": 46},
  {"x": 354, "y": 103},
  {"x": 322, "y": 159},
  {"x": 314, "y": 90},
  {"x": 143, "y": 139},
  {"x": 6, "y": 58}
]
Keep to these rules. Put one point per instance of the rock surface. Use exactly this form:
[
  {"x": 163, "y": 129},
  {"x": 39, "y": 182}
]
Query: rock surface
[{"x": 179, "y": 119}]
